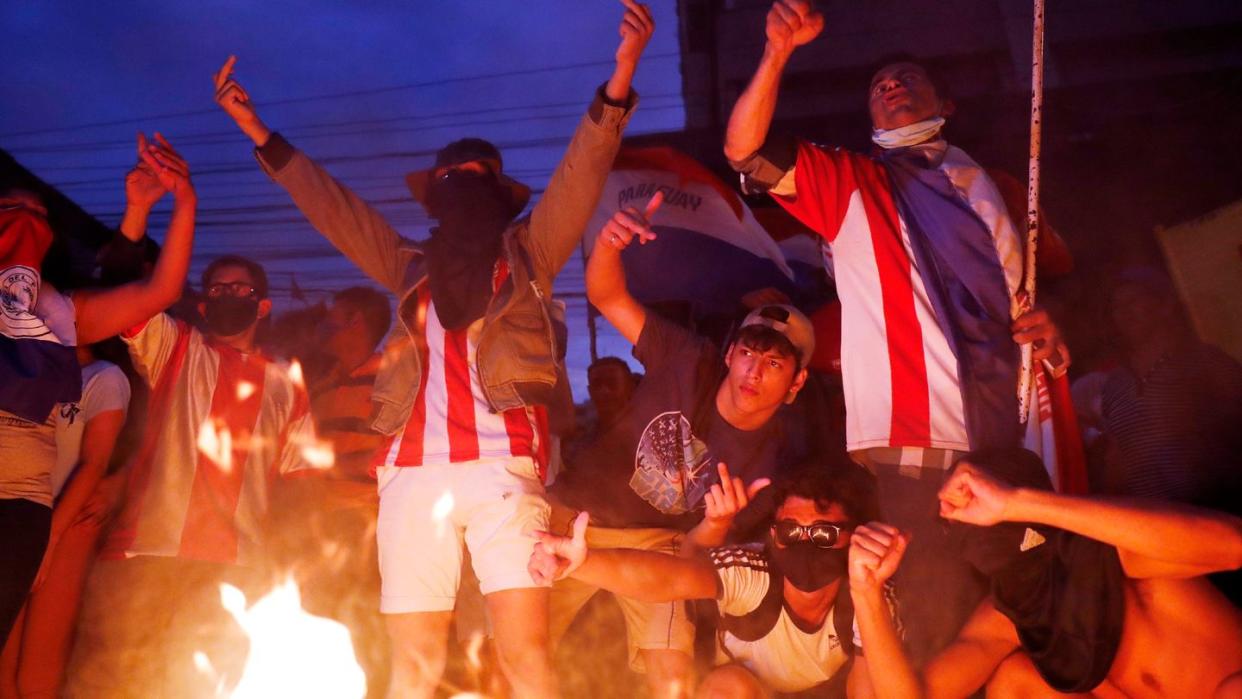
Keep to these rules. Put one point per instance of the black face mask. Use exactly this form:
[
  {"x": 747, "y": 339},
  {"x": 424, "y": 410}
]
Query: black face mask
[
  {"x": 230, "y": 315},
  {"x": 808, "y": 567},
  {"x": 472, "y": 208}
]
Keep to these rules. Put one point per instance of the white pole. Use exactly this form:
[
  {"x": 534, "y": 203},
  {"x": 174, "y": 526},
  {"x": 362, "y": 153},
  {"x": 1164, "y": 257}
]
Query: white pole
[{"x": 1026, "y": 299}]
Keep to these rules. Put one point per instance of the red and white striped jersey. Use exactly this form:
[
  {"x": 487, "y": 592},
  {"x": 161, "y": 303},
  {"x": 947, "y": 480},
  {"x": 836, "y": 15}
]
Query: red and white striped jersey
[
  {"x": 451, "y": 421},
  {"x": 900, "y": 374},
  {"x": 222, "y": 425}
]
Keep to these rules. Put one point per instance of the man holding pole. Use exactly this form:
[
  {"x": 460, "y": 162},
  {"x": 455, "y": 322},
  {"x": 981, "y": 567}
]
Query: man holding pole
[{"x": 928, "y": 263}]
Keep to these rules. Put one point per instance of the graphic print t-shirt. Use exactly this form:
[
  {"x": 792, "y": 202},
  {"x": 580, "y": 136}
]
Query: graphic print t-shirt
[{"x": 654, "y": 466}]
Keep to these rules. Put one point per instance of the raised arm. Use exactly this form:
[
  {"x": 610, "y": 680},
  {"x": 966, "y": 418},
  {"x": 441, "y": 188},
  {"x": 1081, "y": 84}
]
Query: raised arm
[
  {"x": 648, "y": 576},
  {"x": 790, "y": 24},
  {"x": 559, "y": 220},
  {"x": 1147, "y": 533},
  {"x": 142, "y": 191},
  {"x": 876, "y": 550},
  {"x": 605, "y": 275},
  {"x": 348, "y": 222},
  {"x": 104, "y": 313}
]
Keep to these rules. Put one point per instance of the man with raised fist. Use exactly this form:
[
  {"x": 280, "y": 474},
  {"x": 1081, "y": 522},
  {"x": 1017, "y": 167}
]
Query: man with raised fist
[{"x": 927, "y": 264}]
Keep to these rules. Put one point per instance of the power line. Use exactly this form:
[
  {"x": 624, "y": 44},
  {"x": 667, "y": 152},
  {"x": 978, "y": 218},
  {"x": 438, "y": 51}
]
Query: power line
[
  {"x": 333, "y": 95},
  {"x": 233, "y": 138},
  {"x": 230, "y": 135}
]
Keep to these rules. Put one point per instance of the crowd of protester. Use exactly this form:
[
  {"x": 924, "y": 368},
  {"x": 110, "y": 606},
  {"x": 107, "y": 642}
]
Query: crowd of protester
[{"x": 760, "y": 522}]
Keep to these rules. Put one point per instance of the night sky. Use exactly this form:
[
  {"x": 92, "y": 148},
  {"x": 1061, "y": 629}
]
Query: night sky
[{"x": 367, "y": 89}]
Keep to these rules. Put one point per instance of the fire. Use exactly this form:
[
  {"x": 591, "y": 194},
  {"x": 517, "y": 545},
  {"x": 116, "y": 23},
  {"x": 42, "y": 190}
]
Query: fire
[
  {"x": 217, "y": 445},
  {"x": 292, "y": 653},
  {"x": 245, "y": 389},
  {"x": 295, "y": 374},
  {"x": 318, "y": 454}
]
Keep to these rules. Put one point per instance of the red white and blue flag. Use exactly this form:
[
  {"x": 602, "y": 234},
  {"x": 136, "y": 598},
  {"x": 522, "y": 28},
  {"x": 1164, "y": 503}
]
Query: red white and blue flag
[
  {"x": 38, "y": 362},
  {"x": 709, "y": 251}
]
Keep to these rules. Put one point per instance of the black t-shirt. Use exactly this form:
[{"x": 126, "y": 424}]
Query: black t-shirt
[{"x": 653, "y": 467}]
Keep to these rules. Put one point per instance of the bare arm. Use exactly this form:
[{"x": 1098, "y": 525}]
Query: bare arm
[
  {"x": 142, "y": 191},
  {"x": 348, "y": 222},
  {"x": 968, "y": 662},
  {"x": 964, "y": 666},
  {"x": 648, "y": 576},
  {"x": 876, "y": 550},
  {"x": 1190, "y": 540},
  {"x": 98, "y": 440},
  {"x": 790, "y": 24},
  {"x": 559, "y": 219},
  {"x": 605, "y": 275},
  {"x": 104, "y": 313}
]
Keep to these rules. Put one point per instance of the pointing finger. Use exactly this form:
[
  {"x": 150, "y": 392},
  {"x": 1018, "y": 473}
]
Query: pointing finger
[{"x": 654, "y": 204}]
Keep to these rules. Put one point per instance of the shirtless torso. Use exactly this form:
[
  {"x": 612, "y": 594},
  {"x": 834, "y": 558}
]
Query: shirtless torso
[{"x": 1182, "y": 638}]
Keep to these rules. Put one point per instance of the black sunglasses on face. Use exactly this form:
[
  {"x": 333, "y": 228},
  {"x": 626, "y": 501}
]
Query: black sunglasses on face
[
  {"x": 241, "y": 289},
  {"x": 822, "y": 534}
]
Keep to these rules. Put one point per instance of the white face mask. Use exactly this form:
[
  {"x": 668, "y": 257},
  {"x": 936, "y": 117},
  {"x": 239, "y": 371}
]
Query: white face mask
[{"x": 908, "y": 135}]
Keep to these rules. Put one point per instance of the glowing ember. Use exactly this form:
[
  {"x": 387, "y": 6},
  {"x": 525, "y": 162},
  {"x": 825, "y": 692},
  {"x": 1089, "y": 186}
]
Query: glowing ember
[
  {"x": 217, "y": 445},
  {"x": 245, "y": 389},
  {"x": 295, "y": 374},
  {"x": 292, "y": 653},
  {"x": 318, "y": 455}
]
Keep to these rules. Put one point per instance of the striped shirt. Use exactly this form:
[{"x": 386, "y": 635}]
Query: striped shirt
[
  {"x": 900, "y": 374},
  {"x": 223, "y": 425},
  {"x": 451, "y": 421}
]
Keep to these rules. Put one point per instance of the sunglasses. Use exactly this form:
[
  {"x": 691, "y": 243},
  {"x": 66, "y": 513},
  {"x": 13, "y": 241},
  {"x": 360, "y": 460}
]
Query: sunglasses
[{"x": 822, "y": 534}]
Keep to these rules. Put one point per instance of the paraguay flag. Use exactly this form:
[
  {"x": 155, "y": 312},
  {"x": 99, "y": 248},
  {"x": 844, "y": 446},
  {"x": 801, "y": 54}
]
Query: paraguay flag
[
  {"x": 710, "y": 249},
  {"x": 38, "y": 362}
]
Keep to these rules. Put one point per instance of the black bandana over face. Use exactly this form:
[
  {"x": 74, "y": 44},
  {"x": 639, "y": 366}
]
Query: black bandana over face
[
  {"x": 227, "y": 316},
  {"x": 473, "y": 210},
  {"x": 806, "y": 566},
  {"x": 1063, "y": 592}
]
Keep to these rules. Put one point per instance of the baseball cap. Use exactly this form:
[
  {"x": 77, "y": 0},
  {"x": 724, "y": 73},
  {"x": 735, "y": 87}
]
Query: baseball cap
[{"x": 789, "y": 322}]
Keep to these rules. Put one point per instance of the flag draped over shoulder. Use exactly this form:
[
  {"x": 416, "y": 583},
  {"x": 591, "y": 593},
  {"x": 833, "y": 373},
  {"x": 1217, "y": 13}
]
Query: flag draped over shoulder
[
  {"x": 710, "y": 249},
  {"x": 38, "y": 362}
]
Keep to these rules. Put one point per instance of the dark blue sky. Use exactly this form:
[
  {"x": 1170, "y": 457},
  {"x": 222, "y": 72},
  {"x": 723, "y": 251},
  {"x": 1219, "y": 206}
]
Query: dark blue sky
[{"x": 84, "y": 76}]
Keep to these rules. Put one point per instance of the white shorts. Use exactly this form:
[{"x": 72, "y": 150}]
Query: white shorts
[{"x": 426, "y": 513}]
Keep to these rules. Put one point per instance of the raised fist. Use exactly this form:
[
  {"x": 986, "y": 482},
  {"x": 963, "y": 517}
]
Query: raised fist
[{"x": 792, "y": 23}]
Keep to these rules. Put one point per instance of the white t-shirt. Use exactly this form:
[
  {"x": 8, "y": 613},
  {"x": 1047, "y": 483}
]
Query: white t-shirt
[
  {"x": 104, "y": 387},
  {"x": 787, "y": 659}
]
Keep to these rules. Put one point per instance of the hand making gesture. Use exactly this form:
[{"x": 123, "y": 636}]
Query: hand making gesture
[
  {"x": 555, "y": 557},
  {"x": 235, "y": 102},
  {"x": 629, "y": 223},
  {"x": 729, "y": 497},
  {"x": 169, "y": 169},
  {"x": 637, "y": 26}
]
